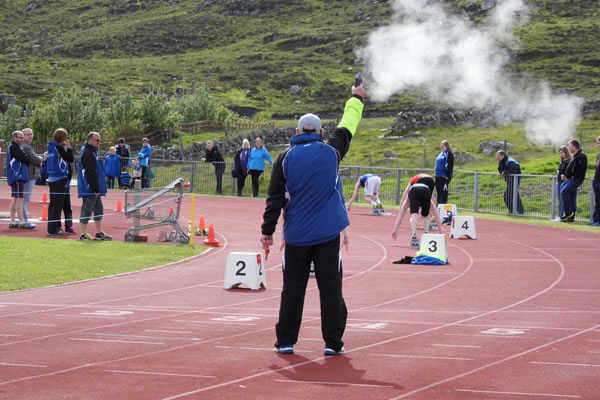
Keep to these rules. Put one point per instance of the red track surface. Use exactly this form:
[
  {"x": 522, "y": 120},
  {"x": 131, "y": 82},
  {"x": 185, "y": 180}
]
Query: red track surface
[{"x": 516, "y": 315}]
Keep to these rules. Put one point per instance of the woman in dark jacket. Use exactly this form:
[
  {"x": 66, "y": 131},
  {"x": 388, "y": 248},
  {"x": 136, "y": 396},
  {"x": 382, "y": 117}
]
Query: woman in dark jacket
[
  {"x": 565, "y": 157},
  {"x": 444, "y": 169},
  {"x": 214, "y": 156},
  {"x": 240, "y": 165}
]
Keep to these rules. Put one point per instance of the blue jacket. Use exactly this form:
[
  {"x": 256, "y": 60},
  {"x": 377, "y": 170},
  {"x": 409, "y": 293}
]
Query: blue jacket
[
  {"x": 112, "y": 165},
  {"x": 91, "y": 178},
  {"x": 15, "y": 169},
  {"x": 364, "y": 179},
  {"x": 444, "y": 165},
  {"x": 144, "y": 155},
  {"x": 58, "y": 168},
  {"x": 257, "y": 159}
]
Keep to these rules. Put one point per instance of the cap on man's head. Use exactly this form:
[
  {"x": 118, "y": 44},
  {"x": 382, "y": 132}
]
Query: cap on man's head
[
  {"x": 145, "y": 140},
  {"x": 309, "y": 123}
]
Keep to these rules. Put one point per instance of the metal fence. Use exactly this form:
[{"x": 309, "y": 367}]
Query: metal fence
[{"x": 477, "y": 191}]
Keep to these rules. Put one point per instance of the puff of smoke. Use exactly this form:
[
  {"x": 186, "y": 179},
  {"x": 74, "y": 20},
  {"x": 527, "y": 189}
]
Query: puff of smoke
[{"x": 427, "y": 48}]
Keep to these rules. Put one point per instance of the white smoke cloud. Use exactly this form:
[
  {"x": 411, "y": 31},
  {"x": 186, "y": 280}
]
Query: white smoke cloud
[{"x": 427, "y": 48}]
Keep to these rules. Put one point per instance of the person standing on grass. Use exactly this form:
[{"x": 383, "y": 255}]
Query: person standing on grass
[
  {"x": 144, "y": 157},
  {"x": 371, "y": 184},
  {"x": 444, "y": 169},
  {"x": 91, "y": 186},
  {"x": 575, "y": 175},
  {"x": 508, "y": 167},
  {"x": 35, "y": 162},
  {"x": 256, "y": 163},
  {"x": 57, "y": 162},
  {"x": 214, "y": 156},
  {"x": 240, "y": 166},
  {"x": 596, "y": 187},
  {"x": 305, "y": 183},
  {"x": 17, "y": 177},
  {"x": 565, "y": 157}
]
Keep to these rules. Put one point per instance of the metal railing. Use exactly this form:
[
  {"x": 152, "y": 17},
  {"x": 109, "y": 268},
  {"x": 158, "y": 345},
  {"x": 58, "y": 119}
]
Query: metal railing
[{"x": 469, "y": 190}]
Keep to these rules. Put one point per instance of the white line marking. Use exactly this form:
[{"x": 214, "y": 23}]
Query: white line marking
[
  {"x": 457, "y": 345},
  {"x": 86, "y": 316},
  {"x": 577, "y": 290},
  {"x": 334, "y": 383},
  {"x": 140, "y": 336},
  {"x": 28, "y": 324},
  {"x": 424, "y": 357},
  {"x": 260, "y": 349},
  {"x": 491, "y": 336},
  {"x": 158, "y": 373},
  {"x": 23, "y": 365},
  {"x": 213, "y": 322},
  {"x": 514, "y": 259},
  {"x": 520, "y": 393},
  {"x": 353, "y": 329},
  {"x": 570, "y": 364},
  {"x": 414, "y": 272},
  {"x": 8, "y": 334},
  {"x": 115, "y": 341},
  {"x": 161, "y": 331}
]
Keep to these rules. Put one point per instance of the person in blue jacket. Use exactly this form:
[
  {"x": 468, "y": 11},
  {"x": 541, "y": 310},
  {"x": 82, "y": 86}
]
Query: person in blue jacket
[
  {"x": 256, "y": 163},
  {"x": 91, "y": 186},
  {"x": 144, "y": 157},
  {"x": 112, "y": 167},
  {"x": 17, "y": 176},
  {"x": 444, "y": 169},
  {"x": 508, "y": 167},
  {"x": 305, "y": 183},
  {"x": 58, "y": 158}
]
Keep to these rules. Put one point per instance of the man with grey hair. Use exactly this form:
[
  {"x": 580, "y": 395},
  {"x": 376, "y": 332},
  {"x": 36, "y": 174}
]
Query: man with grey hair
[
  {"x": 305, "y": 183},
  {"x": 35, "y": 162}
]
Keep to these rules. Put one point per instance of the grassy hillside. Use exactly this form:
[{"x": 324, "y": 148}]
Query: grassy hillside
[{"x": 249, "y": 52}]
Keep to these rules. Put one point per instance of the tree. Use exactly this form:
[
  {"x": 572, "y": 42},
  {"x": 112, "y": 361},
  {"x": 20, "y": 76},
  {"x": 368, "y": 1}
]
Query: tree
[{"x": 156, "y": 112}]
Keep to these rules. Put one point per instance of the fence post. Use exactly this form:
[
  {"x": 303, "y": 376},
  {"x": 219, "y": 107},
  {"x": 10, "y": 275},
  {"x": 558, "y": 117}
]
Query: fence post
[
  {"x": 398, "y": 186},
  {"x": 592, "y": 199},
  {"x": 192, "y": 175},
  {"x": 553, "y": 211},
  {"x": 476, "y": 193},
  {"x": 515, "y": 193},
  {"x": 357, "y": 173}
]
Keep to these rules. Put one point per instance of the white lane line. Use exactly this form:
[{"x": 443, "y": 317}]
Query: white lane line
[
  {"x": 514, "y": 259},
  {"x": 162, "y": 331},
  {"x": 520, "y": 393},
  {"x": 260, "y": 349},
  {"x": 424, "y": 357},
  {"x": 490, "y": 336},
  {"x": 115, "y": 341},
  {"x": 565, "y": 364},
  {"x": 457, "y": 345},
  {"x": 414, "y": 272},
  {"x": 353, "y": 329},
  {"x": 159, "y": 373},
  {"x": 334, "y": 383},
  {"x": 23, "y": 365},
  {"x": 577, "y": 290},
  {"x": 8, "y": 334},
  {"x": 214, "y": 322},
  {"x": 140, "y": 336},
  {"x": 85, "y": 316},
  {"x": 31, "y": 324}
]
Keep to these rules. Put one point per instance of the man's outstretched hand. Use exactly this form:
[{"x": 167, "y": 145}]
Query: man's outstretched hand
[{"x": 360, "y": 90}]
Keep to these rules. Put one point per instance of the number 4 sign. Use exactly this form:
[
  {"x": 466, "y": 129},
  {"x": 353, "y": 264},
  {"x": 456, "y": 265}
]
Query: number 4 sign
[{"x": 463, "y": 226}]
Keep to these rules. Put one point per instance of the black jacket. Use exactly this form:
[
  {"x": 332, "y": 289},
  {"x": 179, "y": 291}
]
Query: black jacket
[
  {"x": 88, "y": 163},
  {"x": 577, "y": 167},
  {"x": 562, "y": 169},
  {"x": 215, "y": 157},
  {"x": 17, "y": 153}
]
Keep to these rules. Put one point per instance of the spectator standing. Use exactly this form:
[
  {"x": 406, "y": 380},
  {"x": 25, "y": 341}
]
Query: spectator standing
[
  {"x": 91, "y": 186},
  {"x": 112, "y": 167},
  {"x": 575, "y": 175},
  {"x": 57, "y": 162},
  {"x": 596, "y": 187},
  {"x": 144, "y": 157},
  {"x": 444, "y": 169},
  {"x": 35, "y": 162},
  {"x": 43, "y": 171},
  {"x": 123, "y": 152},
  {"x": 17, "y": 177},
  {"x": 214, "y": 156},
  {"x": 305, "y": 182},
  {"x": 240, "y": 166},
  {"x": 256, "y": 163},
  {"x": 565, "y": 157},
  {"x": 67, "y": 210},
  {"x": 508, "y": 167},
  {"x": 371, "y": 184}
]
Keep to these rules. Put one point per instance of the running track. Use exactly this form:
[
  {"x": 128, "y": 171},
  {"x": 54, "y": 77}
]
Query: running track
[{"x": 516, "y": 315}]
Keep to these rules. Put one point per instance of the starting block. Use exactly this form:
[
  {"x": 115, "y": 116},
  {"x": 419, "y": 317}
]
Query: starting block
[
  {"x": 245, "y": 268},
  {"x": 463, "y": 226},
  {"x": 446, "y": 211},
  {"x": 433, "y": 226},
  {"x": 414, "y": 243},
  {"x": 434, "y": 245}
]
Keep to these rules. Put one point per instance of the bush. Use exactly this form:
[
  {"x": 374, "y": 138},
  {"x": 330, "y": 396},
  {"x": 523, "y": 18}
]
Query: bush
[{"x": 156, "y": 112}]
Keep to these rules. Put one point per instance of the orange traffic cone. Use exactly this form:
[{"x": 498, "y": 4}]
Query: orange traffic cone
[
  {"x": 44, "y": 213},
  {"x": 202, "y": 224},
  {"x": 44, "y": 198},
  {"x": 211, "y": 241},
  {"x": 119, "y": 206},
  {"x": 170, "y": 210}
]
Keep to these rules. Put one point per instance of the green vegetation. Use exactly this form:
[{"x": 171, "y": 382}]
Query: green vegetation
[{"x": 70, "y": 261}]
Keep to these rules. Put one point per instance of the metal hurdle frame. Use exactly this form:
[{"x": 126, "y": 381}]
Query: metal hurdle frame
[{"x": 140, "y": 207}]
